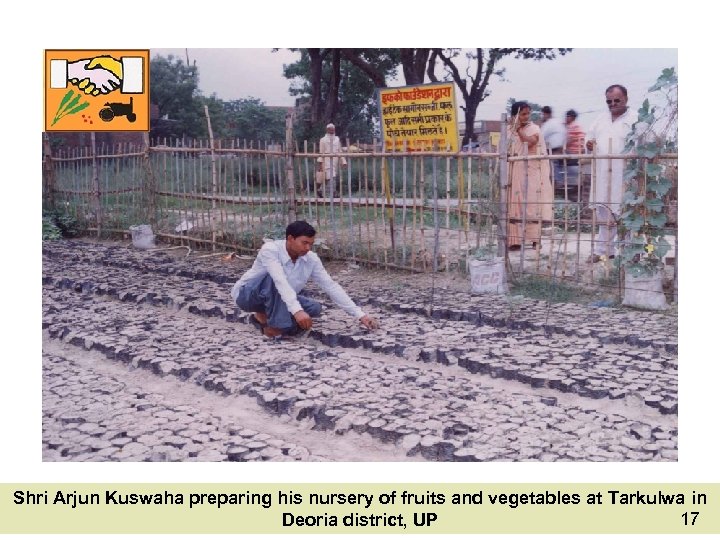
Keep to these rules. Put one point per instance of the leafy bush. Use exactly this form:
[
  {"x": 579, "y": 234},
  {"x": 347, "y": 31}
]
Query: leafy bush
[
  {"x": 561, "y": 207},
  {"x": 50, "y": 231},
  {"x": 644, "y": 214},
  {"x": 57, "y": 224},
  {"x": 485, "y": 253}
]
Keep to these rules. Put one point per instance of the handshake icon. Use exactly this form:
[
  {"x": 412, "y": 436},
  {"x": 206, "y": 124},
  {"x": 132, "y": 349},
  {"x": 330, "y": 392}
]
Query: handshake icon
[{"x": 99, "y": 75}]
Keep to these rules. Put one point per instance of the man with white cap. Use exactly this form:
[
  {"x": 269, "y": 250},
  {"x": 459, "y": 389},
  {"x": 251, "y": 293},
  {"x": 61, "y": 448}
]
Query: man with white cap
[{"x": 329, "y": 144}]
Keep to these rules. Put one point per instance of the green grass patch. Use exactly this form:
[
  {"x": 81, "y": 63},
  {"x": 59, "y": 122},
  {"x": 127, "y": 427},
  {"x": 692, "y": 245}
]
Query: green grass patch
[{"x": 553, "y": 291}]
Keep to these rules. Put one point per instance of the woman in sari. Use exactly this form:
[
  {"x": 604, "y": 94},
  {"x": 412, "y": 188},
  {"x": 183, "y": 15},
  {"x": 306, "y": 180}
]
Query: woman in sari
[{"x": 531, "y": 190}]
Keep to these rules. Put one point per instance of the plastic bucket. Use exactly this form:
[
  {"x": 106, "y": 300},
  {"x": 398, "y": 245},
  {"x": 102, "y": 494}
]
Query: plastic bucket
[
  {"x": 644, "y": 292},
  {"x": 142, "y": 236},
  {"x": 488, "y": 276}
]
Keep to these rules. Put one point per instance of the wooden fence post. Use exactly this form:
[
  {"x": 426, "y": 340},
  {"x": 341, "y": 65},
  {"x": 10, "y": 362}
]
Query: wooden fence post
[
  {"x": 526, "y": 182},
  {"x": 48, "y": 173},
  {"x": 436, "y": 215},
  {"x": 675, "y": 267},
  {"x": 214, "y": 178},
  {"x": 502, "y": 215},
  {"x": 289, "y": 168},
  {"x": 96, "y": 184},
  {"x": 149, "y": 187}
]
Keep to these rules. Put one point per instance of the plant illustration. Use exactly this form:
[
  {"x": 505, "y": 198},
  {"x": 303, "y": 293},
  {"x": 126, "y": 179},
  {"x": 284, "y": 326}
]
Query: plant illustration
[{"x": 69, "y": 105}]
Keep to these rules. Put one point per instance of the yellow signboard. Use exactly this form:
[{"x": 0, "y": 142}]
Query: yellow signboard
[
  {"x": 423, "y": 117},
  {"x": 97, "y": 90}
]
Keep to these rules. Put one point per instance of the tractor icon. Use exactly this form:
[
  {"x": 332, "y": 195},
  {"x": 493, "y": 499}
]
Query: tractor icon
[{"x": 112, "y": 110}]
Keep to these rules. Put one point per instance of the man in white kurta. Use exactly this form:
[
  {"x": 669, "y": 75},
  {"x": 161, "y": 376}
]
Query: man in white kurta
[
  {"x": 330, "y": 144},
  {"x": 607, "y": 136}
]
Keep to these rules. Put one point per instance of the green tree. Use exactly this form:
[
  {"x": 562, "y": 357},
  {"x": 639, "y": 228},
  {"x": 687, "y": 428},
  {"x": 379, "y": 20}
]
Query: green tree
[
  {"x": 414, "y": 63},
  {"x": 482, "y": 66},
  {"x": 319, "y": 72},
  {"x": 174, "y": 88},
  {"x": 338, "y": 85},
  {"x": 250, "y": 119},
  {"x": 218, "y": 119}
]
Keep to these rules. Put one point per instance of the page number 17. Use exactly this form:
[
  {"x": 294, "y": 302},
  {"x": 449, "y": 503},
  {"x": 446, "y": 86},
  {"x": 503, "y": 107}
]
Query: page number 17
[{"x": 693, "y": 515}]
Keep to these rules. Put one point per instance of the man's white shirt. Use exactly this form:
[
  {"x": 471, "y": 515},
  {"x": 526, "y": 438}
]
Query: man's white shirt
[
  {"x": 609, "y": 138},
  {"x": 554, "y": 133},
  {"x": 290, "y": 278}
]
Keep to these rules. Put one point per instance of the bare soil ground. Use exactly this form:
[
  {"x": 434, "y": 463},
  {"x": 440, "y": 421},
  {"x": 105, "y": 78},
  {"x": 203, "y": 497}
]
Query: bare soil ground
[{"x": 146, "y": 358}]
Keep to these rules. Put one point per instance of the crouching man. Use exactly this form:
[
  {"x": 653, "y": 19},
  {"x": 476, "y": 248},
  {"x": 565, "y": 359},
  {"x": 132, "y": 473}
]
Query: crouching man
[{"x": 282, "y": 268}]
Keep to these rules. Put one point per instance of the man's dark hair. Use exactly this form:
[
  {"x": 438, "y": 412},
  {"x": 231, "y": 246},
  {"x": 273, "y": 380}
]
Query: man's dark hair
[
  {"x": 547, "y": 110},
  {"x": 299, "y": 228},
  {"x": 571, "y": 113},
  {"x": 619, "y": 87},
  {"x": 518, "y": 106}
]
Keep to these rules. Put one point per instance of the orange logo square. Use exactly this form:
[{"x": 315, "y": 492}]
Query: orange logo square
[{"x": 97, "y": 90}]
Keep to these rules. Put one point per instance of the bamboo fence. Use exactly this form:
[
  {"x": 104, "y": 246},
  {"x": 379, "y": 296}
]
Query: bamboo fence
[{"x": 419, "y": 211}]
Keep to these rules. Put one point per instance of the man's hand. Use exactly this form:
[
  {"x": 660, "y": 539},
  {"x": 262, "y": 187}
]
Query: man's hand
[
  {"x": 95, "y": 75},
  {"x": 303, "y": 319},
  {"x": 369, "y": 323},
  {"x": 107, "y": 62},
  {"x": 590, "y": 145}
]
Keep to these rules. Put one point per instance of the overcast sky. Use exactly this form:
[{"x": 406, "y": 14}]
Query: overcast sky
[{"x": 574, "y": 81}]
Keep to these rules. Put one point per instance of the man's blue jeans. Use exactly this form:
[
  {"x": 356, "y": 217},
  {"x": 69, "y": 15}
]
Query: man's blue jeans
[{"x": 260, "y": 295}]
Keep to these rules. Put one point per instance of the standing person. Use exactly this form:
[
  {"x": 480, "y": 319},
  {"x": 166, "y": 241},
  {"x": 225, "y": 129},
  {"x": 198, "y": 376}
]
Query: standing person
[
  {"x": 553, "y": 131},
  {"x": 330, "y": 144},
  {"x": 280, "y": 271},
  {"x": 534, "y": 199},
  {"x": 607, "y": 136},
  {"x": 575, "y": 140},
  {"x": 574, "y": 144}
]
